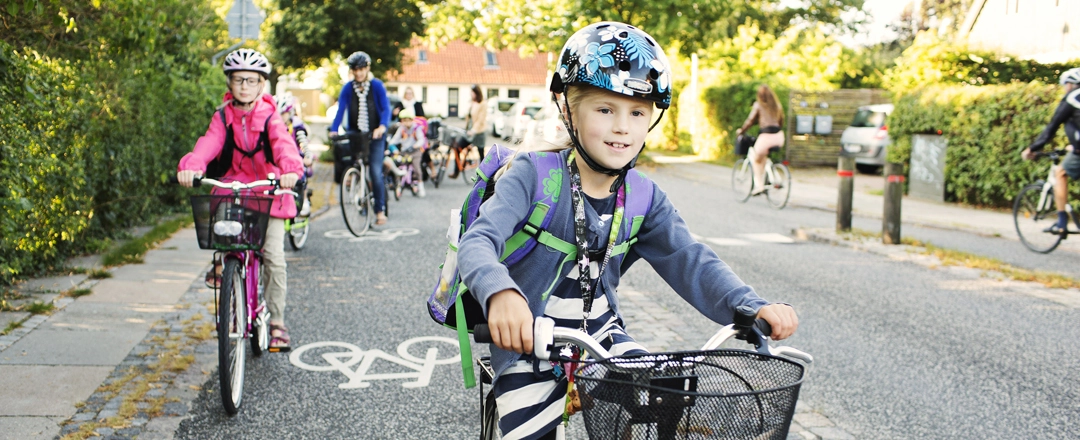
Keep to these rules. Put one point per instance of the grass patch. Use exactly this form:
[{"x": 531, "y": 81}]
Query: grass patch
[
  {"x": 39, "y": 307},
  {"x": 133, "y": 250},
  {"x": 11, "y": 327},
  {"x": 75, "y": 293},
  {"x": 876, "y": 192},
  {"x": 99, "y": 274}
]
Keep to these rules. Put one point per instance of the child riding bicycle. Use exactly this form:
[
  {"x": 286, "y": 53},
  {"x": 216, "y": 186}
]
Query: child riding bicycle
[
  {"x": 411, "y": 139},
  {"x": 290, "y": 115},
  {"x": 609, "y": 78},
  {"x": 246, "y": 141}
]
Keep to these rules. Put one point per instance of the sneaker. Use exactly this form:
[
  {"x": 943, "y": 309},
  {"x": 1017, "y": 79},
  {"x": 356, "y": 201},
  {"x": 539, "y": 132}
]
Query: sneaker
[
  {"x": 420, "y": 189},
  {"x": 306, "y": 210},
  {"x": 1056, "y": 229}
]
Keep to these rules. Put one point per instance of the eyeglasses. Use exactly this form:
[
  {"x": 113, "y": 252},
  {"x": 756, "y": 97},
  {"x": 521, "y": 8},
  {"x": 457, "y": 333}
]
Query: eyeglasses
[{"x": 240, "y": 81}]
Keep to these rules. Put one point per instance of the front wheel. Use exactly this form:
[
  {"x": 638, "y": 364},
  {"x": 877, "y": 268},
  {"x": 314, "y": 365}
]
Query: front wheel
[
  {"x": 1033, "y": 213},
  {"x": 489, "y": 423},
  {"x": 356, "y": 200},
  {"x": 742, "y": 179},
  {"x": 440, "y": 168},
  {"x": 780, "y": 186},
  {"x": 260, "y": 333},
  {"x": 297, "y": 229},
  {"x": 231, "y": 326}
]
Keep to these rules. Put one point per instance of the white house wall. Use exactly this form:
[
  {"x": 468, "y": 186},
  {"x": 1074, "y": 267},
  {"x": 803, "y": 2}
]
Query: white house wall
[
  {"x": 437, "y": 103},
  {"x": 1035, "y": 29}
]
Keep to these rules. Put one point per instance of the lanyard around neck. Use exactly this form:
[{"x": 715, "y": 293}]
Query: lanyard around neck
[{"x": 582, "y": 241}]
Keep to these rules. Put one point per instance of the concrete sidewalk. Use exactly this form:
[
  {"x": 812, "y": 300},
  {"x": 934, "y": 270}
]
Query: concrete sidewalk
[{"x": 52, "y": 364}]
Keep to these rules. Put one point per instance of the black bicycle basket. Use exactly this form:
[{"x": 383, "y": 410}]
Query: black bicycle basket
[
  {"x": 718, "y": 394},
  {"x": 230, "y": 222}
]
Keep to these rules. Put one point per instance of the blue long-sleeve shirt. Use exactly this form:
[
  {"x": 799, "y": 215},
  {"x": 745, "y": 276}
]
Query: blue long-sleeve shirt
[
  {"x": 382, "y": 105},
  {"x": 691, "y": 268}
]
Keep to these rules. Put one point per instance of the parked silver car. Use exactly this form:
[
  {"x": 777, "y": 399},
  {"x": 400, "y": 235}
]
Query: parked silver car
[
  {"x": 517, "y": 120},
  {"x": 496, "y": 113},
  {"x": 867, "y": 138}
]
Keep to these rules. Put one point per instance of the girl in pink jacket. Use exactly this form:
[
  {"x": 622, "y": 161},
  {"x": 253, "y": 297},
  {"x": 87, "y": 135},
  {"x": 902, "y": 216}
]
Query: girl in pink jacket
[{"x": 261, "y": 145}]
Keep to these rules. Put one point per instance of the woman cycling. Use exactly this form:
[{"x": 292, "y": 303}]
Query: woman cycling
[
  {"x": 474, "y": 128},
  {"x": 247, "y": 141},
  {"x": 364, "y": 111},
  {"x": 767, "y": 113}
]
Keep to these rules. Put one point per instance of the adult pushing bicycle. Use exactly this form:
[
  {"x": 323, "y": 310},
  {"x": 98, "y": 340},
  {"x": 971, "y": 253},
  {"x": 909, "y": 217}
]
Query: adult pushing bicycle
[
  {"x": 711, "y": 393},
  {"x": 234, "y": 225}
]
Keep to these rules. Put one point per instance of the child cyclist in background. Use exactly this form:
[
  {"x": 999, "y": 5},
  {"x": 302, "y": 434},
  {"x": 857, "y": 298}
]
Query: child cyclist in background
[
  {"x": 411, "y": 139},
  {"x": 290, "y": 115},
  {"x": 609, "y": 78},
  {"x": 257, "y": 140}
]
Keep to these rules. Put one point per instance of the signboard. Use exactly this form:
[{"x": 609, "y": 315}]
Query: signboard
[
  {"x": 244, "y": 20},
  {"x": 927, "y": 167}
]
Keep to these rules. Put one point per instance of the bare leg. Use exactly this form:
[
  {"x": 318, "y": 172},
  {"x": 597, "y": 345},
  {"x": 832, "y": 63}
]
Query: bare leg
[{"x": 757, "y": 161}]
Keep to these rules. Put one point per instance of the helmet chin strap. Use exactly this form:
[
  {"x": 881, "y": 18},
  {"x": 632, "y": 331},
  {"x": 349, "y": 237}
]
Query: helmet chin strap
[{"x": 620, "y": 173}]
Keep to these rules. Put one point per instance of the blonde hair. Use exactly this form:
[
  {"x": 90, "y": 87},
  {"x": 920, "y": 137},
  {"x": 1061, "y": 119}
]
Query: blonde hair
[
  {"x": 574, "y": 96},
  {"x": 769, "y": 103}
]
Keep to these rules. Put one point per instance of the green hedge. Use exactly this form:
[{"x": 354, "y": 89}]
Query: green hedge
[
  {"x": 729, "y": 105},
  {"x": 93, "y": 125},
  {"x": 986, "y": 127}
]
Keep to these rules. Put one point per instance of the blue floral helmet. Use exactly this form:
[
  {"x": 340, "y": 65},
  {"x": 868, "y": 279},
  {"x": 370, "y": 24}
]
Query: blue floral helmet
[{"x": 616, "y": 57}]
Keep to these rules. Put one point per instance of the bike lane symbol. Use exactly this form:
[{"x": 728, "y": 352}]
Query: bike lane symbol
[
  {"x": 384, "y": 235},
  {"x": 348, "y": 355}
]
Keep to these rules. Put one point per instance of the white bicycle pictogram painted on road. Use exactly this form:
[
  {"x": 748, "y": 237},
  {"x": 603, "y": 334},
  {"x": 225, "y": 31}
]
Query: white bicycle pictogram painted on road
[
  {"x": 384, "y": 235},
  {"x": 347, "y": 355}
]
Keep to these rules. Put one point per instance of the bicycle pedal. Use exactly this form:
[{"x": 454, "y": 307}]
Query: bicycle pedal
[{"x": 279, "y": 349}]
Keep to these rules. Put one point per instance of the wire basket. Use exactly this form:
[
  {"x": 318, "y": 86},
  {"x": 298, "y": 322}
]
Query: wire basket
[
  {"x": 719, "y": 394},
  {"x": 230, "y": 222}
]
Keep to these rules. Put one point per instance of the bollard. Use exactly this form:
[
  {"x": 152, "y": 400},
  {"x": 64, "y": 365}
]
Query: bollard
[
  {"x": 845, "y": 169},
  {"x": 894, "y": 193}
]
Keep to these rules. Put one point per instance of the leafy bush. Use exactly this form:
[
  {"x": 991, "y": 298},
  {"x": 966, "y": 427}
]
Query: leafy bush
[
  {"x": 932, "y": 60},
  {"x": 98, "y": 110},
  {"x": 986, "y": 128}
]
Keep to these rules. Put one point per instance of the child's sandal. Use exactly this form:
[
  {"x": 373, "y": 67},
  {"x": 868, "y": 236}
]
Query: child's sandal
[
  {"x": 279, "y": 339},
  {"x": 213, "y": 277}
]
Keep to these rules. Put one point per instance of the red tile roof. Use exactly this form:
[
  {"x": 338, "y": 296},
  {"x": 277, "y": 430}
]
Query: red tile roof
[{"x": 459, "y": 62}]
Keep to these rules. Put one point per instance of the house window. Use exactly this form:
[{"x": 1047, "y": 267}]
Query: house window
[
  {"x": 492, "y": 92},
  {"x": 422, "y": 56},
  {"x": 513, "y": 93},
  {"x": 490, "y": 60}
]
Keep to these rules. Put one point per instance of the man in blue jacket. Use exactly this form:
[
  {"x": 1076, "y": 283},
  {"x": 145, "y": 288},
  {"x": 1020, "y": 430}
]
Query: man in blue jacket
[{"x": 364, "y": 112}]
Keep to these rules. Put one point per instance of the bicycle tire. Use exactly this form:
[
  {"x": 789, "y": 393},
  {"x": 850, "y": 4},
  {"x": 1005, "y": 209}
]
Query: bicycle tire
[
  {"x": 742, "y": 180},
  {"x": 298, "y": 235},
  {"x": 355, "y": 200},
  {"x": 489, "y": 419},
  {"x": 1030, "y": 219},
  {"x": 260, "y": 329},
  {"x": 440, "y": 170},
  {"x": 231, "y": 325},
  {"x": 780, "y": 191}
]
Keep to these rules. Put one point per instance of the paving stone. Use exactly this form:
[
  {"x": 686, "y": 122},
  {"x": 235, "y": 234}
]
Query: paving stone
[
  {"x": 812, "y": 420},
  {"x": 832, "y": 433},
  {"x": 46, "y": 390}
]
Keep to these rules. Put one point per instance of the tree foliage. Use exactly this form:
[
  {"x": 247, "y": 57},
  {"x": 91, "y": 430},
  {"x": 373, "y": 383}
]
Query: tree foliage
[
  {"x": 312, "y": 31},
  {"x": 544, "y": 25}
]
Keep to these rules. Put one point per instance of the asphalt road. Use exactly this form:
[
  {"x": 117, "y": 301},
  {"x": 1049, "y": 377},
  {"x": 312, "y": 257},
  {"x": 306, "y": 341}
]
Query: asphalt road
[{"x": 902, "y": 351}]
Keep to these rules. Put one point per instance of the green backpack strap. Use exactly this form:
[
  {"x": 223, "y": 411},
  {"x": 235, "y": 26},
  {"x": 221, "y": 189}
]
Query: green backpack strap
[{"x": 463, "y": 339}]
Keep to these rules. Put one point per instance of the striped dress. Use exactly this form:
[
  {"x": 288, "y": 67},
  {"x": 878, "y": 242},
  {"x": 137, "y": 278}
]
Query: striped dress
[{"x": 530, "y": 406}]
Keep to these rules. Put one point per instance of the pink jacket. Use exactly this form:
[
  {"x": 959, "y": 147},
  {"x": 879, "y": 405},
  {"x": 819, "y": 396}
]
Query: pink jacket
[{"x": 248, "y": 127}]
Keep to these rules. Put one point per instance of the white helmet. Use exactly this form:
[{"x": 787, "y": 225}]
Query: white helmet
[
  {"x": 247, "y": 60},
  {"x": 285, "y": 103},
  {"x": 1071, "y": 76}
]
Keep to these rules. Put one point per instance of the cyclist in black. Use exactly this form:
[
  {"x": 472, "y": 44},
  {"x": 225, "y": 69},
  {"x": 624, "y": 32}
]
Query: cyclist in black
[{"x": 1068, "y": 114}]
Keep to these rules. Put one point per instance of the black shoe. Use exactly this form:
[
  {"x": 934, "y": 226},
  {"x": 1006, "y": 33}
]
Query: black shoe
[{"x": 1057, "y": 230}]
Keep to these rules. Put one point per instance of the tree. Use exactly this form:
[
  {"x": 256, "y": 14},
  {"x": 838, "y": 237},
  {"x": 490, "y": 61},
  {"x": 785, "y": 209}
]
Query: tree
[
  {"x": 945, "y": 16},
  {"x": 544, "y": 25},
  {"x": 312, "y": 31}
]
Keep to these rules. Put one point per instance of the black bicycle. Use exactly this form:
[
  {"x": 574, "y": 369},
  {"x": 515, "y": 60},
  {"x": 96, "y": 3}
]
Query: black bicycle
[{"x": 356, "y": 192}]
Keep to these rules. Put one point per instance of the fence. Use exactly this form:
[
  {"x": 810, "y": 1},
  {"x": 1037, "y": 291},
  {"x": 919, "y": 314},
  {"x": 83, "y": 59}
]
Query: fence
[{"x": 822, "y": 147}]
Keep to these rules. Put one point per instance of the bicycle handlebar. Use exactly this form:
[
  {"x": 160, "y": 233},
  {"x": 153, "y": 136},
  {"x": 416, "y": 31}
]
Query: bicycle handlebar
[
  {"x": 546, "y": 335},
  {"x": 238, "y": 186}
]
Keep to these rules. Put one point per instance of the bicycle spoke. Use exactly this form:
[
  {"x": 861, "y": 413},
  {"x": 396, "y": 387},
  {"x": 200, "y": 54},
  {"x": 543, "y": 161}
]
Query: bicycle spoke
[
  {"x": 1033, "y": 213},
  {"x": 779, "y": 187}
]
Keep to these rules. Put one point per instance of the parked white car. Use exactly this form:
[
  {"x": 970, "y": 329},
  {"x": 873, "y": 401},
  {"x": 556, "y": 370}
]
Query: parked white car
[
  {"x": 517, "y": 120},
  {"x": 546, "y": 124},
  {"x": 867, "y": 138},
  {"x": 497, "y": 110}
]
